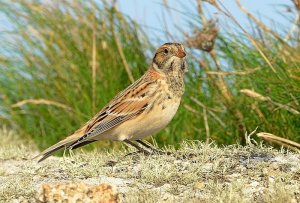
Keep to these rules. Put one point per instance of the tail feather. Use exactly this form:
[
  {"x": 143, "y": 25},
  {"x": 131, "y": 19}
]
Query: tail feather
[
  {"x": 62, "y": 144},
  {"x": 49, "y": 153},
  {"x": 66, "y": 143},
  {"x": 75, "y": 146},
  {"x": 51, "y": 150}
]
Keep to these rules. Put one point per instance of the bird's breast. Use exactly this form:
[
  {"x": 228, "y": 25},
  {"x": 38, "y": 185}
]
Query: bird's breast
[
  {"x": 148, "y": 123},
  {"x": 156, "y": 119}
]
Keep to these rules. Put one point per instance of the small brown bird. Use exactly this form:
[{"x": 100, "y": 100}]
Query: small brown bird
[{"x": 143, "y": 108}]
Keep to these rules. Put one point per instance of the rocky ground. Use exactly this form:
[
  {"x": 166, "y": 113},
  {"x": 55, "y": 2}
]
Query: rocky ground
[{"x": 194, "y": 173}]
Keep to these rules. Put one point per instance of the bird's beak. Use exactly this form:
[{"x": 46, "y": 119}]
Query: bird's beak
[{"x": 180, "y": 53}]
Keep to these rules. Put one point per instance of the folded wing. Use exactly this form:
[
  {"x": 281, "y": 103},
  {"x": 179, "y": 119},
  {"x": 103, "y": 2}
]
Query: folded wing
[{"x": 127, "y": 105}]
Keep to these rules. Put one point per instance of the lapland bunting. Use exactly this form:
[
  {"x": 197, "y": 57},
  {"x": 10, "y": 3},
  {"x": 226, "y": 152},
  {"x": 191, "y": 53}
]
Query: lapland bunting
[{"x": 142, "y": 109}]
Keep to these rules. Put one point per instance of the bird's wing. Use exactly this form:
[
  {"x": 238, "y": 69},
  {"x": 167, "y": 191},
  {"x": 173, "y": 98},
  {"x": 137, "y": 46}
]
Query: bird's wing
[{"x": 127, "y": 105}]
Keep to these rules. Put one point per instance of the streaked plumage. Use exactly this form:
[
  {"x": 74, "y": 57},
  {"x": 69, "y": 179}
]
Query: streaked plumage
[{"x": 142, "y": 109}]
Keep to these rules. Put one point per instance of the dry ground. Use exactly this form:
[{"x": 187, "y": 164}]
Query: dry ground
[{"x": 194, "y": 173}]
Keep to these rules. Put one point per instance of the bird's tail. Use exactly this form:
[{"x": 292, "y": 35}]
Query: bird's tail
[{"x": 65, "y": 143}]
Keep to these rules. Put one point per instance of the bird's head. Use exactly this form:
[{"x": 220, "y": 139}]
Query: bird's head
[{"x": 170, "y": 57}]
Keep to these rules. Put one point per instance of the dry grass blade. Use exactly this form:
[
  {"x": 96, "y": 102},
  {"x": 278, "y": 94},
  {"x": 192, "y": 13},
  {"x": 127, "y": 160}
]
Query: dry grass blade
[
  {"x": 224, "y": 73},
  {"x": 94, "y": 69},
  {"x": 254, "y": 95},
  {"x": 206, "y": 126},
  {"x": 282, "y": 106},
  {"x": 279, "y": 140},
  {"x": 258, "y": 112},
  {"x": 94, "y": 61},
  {"x": 120, "y": 50},
  {"x": 212, "y": 2},
  {"x": 40, "y": 101},
  {"x": 260, "y": 97},
  {"x": 293, "y": 28},
  {"x": 200, "y": 11},
  {"x": 191, "y": 109}
]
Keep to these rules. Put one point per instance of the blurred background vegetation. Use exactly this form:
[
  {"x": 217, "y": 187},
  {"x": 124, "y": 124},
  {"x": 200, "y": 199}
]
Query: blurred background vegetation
[{"x": 67, "y": 59}]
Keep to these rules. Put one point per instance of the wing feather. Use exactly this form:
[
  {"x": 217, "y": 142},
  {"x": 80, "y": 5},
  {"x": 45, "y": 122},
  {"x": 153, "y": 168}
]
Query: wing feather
[{"x": 125, "y": 106}]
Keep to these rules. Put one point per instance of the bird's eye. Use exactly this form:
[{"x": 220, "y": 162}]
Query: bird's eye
[{"x": 166, "y": 51}]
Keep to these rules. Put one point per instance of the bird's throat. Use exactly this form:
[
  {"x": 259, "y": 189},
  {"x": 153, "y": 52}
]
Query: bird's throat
[{"x": 176, "y": 83}]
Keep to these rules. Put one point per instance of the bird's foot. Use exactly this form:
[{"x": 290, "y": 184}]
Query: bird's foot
[
  {"x": 144, "y": 152},
  {"x": 160, "y": 152}
]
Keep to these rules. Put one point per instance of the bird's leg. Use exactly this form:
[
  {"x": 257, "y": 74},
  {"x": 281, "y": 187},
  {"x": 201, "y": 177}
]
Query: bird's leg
[
  {"x": 158, "y": 151},
  {"x": 137, "y": 147},
  {"x": 146, "y": 145}
]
